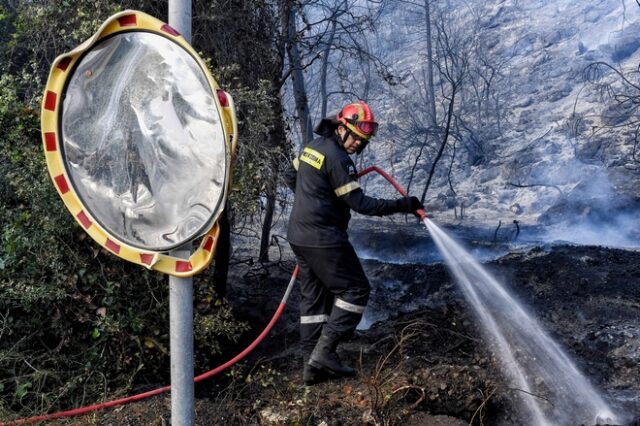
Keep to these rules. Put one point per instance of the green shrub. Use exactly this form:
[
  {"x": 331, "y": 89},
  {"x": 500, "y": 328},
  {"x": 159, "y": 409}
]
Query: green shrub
[{"x": 76, "y": 323}]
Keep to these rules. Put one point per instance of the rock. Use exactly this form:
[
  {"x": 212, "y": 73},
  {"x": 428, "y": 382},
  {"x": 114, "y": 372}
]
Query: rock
[
  {"x": 271, "y": 417},
  {"x": 625, "y": 183},
  {"x": 516, "y": 208},
  {"x": 626, "y": 44},
  {"x": 561, "y": 93},
  {"x": 553, "y": 148},
  {"x": 581, "y": 48},
  {"x": 526, "y": 102},
  {"x": 488, "y": 175}
]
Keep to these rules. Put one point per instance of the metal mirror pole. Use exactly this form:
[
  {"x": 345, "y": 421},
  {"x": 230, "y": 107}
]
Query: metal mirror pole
[{"x": 181, "y": 290}]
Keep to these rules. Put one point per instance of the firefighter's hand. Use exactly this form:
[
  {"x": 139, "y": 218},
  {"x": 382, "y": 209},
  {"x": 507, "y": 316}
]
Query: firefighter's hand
[{"x": 411, "y": 205}]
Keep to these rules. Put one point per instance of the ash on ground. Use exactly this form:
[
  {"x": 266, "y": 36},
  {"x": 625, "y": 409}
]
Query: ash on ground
[{"x": 422, "y": 354}]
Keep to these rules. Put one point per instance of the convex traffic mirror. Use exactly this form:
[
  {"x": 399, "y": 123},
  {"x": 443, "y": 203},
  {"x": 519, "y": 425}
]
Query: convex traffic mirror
[{"x": 139, "y": 138}]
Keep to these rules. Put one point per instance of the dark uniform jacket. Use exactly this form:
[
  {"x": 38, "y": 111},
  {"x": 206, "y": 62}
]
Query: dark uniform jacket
[{"x": 326, "y": 187}]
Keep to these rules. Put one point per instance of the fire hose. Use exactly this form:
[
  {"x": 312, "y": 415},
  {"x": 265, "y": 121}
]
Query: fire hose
[{"x": 138, "y": 397}]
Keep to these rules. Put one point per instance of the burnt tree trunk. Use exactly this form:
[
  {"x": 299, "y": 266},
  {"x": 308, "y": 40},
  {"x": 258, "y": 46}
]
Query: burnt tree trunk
[
  {"x": 431, "y": 96},
  {"x": 265, "y": 237},
  {"x": 445, "y": 139},
  {"x": 276, "y": 138},
  {"x": 297, "y": 75},
  {"x": 324, "y": 68}
]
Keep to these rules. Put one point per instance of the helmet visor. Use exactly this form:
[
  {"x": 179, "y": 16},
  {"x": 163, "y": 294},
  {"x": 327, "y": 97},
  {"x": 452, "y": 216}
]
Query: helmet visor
[{"x": 369, "y": 128}]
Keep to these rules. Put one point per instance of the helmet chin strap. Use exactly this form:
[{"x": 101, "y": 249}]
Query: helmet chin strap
[{"x": 345, "y": 136}]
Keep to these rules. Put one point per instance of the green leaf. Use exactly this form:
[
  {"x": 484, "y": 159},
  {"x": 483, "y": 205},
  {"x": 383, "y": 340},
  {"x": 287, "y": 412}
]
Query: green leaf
[
  {"x": 95, "y": 333},
  {"x": 23, "y": 389}
]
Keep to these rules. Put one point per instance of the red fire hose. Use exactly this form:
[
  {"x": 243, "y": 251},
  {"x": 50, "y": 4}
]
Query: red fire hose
[
  {"x": 210, "y": 373},
  {"x": 392, "y": 181}
]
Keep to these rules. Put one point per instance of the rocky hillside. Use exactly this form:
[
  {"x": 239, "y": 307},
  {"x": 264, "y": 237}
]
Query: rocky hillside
[{"x": 553, "y": 159}]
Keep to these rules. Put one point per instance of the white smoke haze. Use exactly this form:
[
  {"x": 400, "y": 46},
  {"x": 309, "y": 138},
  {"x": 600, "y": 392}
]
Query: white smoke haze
[
  {"x": 544, "y": 47},
  {"x": 618, "y": 232},
  {"x": 595, "y": 212}
]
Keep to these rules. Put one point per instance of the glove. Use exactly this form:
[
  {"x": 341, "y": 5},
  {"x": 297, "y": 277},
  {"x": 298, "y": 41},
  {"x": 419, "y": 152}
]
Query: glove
[{"x": 410, "y": 205}]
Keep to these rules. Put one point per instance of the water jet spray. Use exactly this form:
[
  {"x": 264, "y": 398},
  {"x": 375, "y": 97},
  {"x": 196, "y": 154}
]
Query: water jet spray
[{"x": 550, "y": 386}]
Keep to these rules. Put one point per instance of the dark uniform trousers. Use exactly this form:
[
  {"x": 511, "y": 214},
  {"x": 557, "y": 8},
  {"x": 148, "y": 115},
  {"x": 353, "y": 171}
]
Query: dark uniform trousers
[{"x": 334, "y": 293}]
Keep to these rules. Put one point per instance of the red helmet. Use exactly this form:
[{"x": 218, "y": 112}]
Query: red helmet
[{"x": 358, "y": 118}]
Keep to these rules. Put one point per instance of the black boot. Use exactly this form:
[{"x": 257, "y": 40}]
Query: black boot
[
  {"x": 312, "y": 376},
  {"x": 324, "y": 357}
]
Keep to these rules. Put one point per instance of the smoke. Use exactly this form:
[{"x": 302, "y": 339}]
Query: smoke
[
  {"x": 597, "y": 211},
  {"x": 619, "y": 231}
]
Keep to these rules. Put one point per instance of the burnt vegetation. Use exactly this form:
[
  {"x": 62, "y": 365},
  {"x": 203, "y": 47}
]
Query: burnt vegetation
[
  {"x": 80, "y": 326},
  {"x": 429, "y": 366}
]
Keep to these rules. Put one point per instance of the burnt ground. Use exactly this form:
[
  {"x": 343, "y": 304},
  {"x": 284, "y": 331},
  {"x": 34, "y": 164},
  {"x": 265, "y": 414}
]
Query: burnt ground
[{"x": 425, "y": 362}]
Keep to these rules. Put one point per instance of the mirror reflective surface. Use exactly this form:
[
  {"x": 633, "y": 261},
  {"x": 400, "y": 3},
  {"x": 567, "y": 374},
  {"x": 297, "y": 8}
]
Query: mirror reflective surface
[{"x": 143, "y": 142}]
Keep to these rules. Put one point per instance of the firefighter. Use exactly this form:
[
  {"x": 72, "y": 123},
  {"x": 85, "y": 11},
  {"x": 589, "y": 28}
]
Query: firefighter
[{"x": 334, "y": 287}]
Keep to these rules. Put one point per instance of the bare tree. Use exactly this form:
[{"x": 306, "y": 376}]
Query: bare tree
[
  {"x": 324, "y": 97},
  {"x": 453, "y": 68},
  {"x": 619, "y": 92},
  {"x": 255, "y": 81},
  {"x": 470, "y": 87},
  {"x": 289, "y": 14},
  {"x": 431, "y": 95},
  {"x": 451, "y": 61},
  {"x": 339, "y": 36},
  {"x": 303, "y": 42}
]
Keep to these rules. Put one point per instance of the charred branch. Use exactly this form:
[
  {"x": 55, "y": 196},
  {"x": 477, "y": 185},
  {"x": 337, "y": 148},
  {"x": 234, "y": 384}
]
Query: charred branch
[
  {"x": 495, "y": 234},
  {"x": 557, "y": 188},
  {"x": 531, "y": 185},
  {"x": 453, "y": 157}
]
